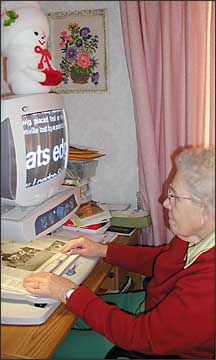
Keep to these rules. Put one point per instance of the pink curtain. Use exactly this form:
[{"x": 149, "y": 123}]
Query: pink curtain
[{"x": 166, "y": 51}]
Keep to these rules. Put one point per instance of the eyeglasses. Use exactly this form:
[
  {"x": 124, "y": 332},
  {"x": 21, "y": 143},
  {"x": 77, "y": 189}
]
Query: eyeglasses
[{"x": 171, "y": 196}]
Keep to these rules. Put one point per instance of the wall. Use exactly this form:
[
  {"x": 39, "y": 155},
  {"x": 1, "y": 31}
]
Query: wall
[{"x": 105, "y": 121}]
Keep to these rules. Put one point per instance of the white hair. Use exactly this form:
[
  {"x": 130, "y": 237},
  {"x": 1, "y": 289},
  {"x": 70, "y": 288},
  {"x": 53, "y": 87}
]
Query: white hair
[{"x": 197, "y": 165}]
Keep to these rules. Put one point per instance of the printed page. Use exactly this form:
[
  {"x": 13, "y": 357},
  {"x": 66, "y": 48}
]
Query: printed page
[{"x": 20, "y": 259}]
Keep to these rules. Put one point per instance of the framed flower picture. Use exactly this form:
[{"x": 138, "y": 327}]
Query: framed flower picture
[{"x": 78, "y": 48}]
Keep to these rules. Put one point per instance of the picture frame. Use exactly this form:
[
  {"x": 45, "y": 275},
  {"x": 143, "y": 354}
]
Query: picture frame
[{"x": 78, "y": 48}]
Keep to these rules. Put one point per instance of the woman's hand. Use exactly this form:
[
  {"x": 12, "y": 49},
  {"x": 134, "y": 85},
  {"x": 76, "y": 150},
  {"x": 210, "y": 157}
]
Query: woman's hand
[
  {"x": 48, "y": 285},
  {"x": 85, "y": 247}
]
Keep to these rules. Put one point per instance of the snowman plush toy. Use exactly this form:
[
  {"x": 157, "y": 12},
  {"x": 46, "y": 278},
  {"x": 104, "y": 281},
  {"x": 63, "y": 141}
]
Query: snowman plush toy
[{"x": 24, "y": 35}]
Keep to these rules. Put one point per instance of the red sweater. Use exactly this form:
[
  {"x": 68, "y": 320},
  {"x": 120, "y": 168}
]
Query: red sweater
[{"x": 179, "y": 308}]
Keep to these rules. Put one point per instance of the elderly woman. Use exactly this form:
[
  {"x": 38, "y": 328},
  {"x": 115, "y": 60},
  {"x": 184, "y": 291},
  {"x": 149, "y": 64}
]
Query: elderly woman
[{"x": 178, "y": 319}]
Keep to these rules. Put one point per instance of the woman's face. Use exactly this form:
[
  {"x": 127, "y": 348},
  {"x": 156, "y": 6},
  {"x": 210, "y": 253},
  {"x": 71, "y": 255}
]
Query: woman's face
[{"x": 184, "y": 215}]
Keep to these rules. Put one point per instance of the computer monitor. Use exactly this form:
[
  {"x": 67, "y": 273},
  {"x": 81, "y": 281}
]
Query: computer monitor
[{"x": 34, "y": 148}]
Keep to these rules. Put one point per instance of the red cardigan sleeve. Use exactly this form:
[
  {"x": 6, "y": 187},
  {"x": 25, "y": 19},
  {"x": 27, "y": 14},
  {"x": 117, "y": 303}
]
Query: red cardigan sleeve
[{"x": 139, "y": 259}]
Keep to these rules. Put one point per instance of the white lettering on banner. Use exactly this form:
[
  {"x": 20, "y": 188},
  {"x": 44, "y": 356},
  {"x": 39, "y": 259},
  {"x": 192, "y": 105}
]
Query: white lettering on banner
[
  {"x": 59, "y": 151},
  {"x": 39, "y": 181},
  {"x": 37, "y": 158},
  {"x": 43, "y": 120},
  {"x": 27, "y": 122},
  {"x": 31, "y": 131},
  {"x": 41, "y": 157},
  {"x": 43, "y": 129}
]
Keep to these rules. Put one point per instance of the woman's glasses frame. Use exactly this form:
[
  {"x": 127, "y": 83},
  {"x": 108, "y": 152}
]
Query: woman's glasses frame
[{"x": 171, "y": 195}]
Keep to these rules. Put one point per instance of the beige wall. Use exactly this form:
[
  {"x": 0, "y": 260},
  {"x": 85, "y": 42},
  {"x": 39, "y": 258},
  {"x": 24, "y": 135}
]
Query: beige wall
[{"x": 105, "y": 120}]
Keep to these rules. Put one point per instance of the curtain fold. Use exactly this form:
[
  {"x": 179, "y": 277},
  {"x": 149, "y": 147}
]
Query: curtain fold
[{"x": 166, "y": 51}]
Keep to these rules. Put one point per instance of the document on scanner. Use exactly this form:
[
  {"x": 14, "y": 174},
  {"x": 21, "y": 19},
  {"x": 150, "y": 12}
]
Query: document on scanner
[{"x": 20, "y": 259}]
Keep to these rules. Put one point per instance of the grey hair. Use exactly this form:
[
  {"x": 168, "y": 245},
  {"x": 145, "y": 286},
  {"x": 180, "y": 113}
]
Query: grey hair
[{"x": 198, "y": 167}]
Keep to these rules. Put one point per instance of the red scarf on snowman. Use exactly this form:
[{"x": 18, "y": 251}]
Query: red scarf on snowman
[{"x": 53, "y": 76}]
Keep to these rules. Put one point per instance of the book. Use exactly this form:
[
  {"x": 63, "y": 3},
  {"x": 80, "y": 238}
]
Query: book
[
  {"x": 90, "y": 213},
  {"x": 98, "y": 228},
  {"x": 20, "y": 259},
  {"x": 120, "y": 230}
]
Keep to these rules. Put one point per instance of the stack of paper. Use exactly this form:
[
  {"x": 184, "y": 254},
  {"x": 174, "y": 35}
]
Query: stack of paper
[
  {"x": 81, "y": 167},
  {"x": 83, "y": 153},
  {"x": 101, "y": 238}
]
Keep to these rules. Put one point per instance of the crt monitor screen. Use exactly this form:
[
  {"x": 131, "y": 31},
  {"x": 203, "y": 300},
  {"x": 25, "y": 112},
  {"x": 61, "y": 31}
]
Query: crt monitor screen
[
  {"x": 34, "y": 148},
  {"x": 45, "y": 145}
]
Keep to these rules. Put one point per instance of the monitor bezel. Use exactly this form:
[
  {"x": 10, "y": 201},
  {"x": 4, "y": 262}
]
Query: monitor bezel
[{"x": 13, "y": 107}]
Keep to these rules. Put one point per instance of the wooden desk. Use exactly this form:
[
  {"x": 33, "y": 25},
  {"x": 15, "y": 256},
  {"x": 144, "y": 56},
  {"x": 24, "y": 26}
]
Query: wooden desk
[{"x": 40, "y": 341}]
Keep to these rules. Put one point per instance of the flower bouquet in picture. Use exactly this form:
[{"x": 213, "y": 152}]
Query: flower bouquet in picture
[{"x": 78, "y": 62}]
